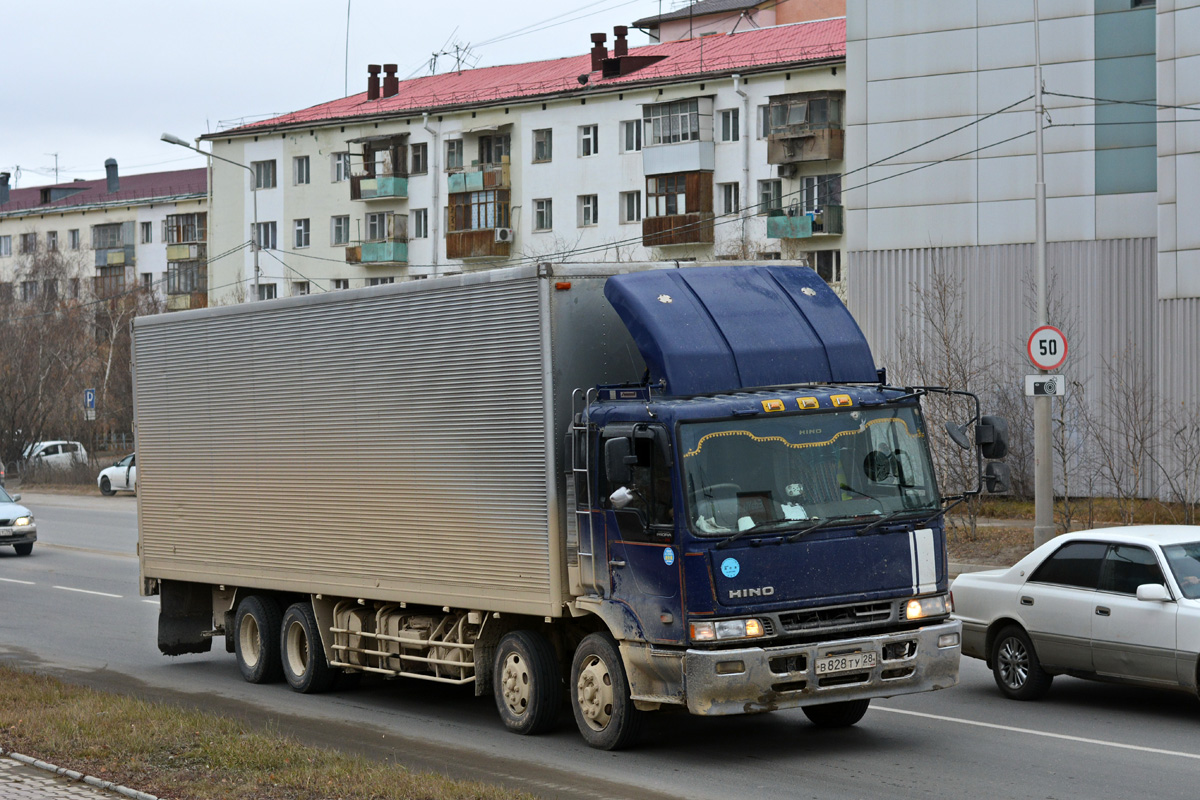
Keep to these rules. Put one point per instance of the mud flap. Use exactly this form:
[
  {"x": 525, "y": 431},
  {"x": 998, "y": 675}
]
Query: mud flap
[{"x": 184, "y": 617}]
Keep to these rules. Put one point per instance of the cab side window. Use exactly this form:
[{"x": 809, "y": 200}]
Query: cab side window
[
  {"x": 1076, "y": 564},
  {"x": 650, "y": 481},
  {"x": 1127, "y": 567}
]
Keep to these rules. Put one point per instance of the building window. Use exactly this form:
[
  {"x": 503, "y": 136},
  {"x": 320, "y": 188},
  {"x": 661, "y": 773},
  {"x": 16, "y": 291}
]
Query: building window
[
  {"x": 6, "y": 293},
  {"x": 264, "y": 235},
  {"x": 589, "y": 205},
  {"x": 147, "y": 232},
  {"x": 631, "y": 136},
  {"x": 339, "y": 230},
  {"x": 341, "y": 167},
  {"x": 420, "y": 223},
  {"x": 420, "y": 159},
  {"x": 185, "y": 277},
  {"x": 797, "y": 114},
  {"x": 29, "y": 290},
  {"x": 770, "y": 195},
  {"x": 267, "y": 291},
  {"x": 377, "y": 226},
  {"x": 300, "y": 170},
  {"x": 543, "y": 214},
  {"x": 589, "y": 140},
  {"x": 667, "y": 123},
  {"x": 666, "y": 195},
  {"x": 827, "y": 263},
  {"x": 264, "y": 174},
  {"x": 73, "y": 239},
  {"x": 28, "y": 242},
  {"x": 731, "y": 125},
  {"x": 543, "y": 141},
  {"x": 74, "y": 288},
  {"x": 821, "y": 190},
  {"x": 302, "y": 233},
  {"x": 111, "y": 235},
  {"x": 472, "y": 211},
  {"x": 185, "y": 228},
  {"x": 148, "y": 281},
  {"x": 493, "y": 149},
  {"x": 454, "y": 154},
  {"x": 380, "y": 281},
  {"x": 764, "y": 121},
  {"x": 341, "y": 283},
  {"x": 299, "y": 288},
  {"x": 730, "y": 199},
  {"x": 52, "y": 239},
  {"x": 5, "y": 246},
  {"x": 631, "y": 206},
  {"x": 50, "y": 289}
]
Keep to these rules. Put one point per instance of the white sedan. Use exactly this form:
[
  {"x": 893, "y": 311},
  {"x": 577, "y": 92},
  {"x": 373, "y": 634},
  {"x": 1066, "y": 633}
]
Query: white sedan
[
  {"x": 121, "y": 476},
  {"x": 1114, "y": 604}
]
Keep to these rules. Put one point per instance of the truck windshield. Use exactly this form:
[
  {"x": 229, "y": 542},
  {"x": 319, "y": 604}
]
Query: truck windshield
[{"x": 777, "y": 471}]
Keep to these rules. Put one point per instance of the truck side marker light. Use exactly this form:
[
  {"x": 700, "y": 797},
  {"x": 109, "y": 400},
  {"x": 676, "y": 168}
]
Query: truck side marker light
[
  {"x": 808, "y": 402},
  {"x": 842, "y": 400},
  {"x": 562, "y": 286},
  {"x": 772, "y": 405}
]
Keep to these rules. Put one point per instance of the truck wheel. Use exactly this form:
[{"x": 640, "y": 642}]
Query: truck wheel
[
  {"x": 106, "y": 487},
  {"x": 603, "y": 709},
  {"x": 301, "y": 653},
  {"x": 1016, "y": 668},
  {"x": 837, "y": 715},
  {"x": 527, "y": 682},
  {"x": 23, "y": 549},
  {"x": 257, "y": 628}
]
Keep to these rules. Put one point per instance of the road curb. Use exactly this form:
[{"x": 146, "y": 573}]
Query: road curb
[{"x": 79, "y": 776}]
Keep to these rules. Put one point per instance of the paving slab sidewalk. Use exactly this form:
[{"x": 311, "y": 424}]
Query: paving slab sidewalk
[{"x": 20, "y": 780}]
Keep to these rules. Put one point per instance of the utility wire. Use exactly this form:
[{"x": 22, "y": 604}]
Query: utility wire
[{"x": 1151, "y": 104}]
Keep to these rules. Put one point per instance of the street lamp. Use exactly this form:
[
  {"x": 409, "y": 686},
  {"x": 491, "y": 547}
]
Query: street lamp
[{"x": 172, "y": 139}]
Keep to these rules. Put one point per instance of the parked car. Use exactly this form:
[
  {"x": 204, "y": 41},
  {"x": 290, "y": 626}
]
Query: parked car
[
  {"x": 120, "y": 477},
  {"x": 16, "y": 524},
  {"x": 1120, "y": 604},
  {"x": 57, "y": 454}
]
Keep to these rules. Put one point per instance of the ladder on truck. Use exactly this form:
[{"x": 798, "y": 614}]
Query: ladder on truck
[{"x": 593, "y": 580}]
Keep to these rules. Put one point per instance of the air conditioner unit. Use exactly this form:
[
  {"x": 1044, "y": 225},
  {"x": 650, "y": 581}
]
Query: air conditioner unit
[
  {"x": 504, "y": 234},
  {"x": 785, "y": 170}
]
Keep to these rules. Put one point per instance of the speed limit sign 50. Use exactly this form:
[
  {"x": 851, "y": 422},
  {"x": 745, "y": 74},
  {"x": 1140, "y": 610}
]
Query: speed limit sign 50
[{"x": 1047, "y": 347}]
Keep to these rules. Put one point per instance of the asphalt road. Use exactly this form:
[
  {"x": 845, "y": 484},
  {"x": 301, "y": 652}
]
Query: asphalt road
[{"x": 72, "y": 609}]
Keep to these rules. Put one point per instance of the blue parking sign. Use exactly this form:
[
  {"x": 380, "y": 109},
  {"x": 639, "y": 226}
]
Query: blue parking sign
[{"x": 89, "y": 398}]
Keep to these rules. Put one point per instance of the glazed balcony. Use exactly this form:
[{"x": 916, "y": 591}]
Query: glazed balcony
[{"x": 827, "y": 221}]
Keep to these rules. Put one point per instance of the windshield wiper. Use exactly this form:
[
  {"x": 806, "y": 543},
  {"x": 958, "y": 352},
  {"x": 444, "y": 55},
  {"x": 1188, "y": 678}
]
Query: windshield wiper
[
  {"x": 856, "y": 491},
  {"x": 817, "y": 526},
  {"x": 761, "y": 527},
  {"x": 889, "y": 517}
]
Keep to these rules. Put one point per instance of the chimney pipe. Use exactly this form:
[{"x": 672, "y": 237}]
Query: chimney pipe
[
  {"x": 110, "y": 170},
  {"x": 373, "y": 82},
  {"x": 599, "y": 51},
  {"x": 620, "y": 45},
  {"x": 4, "y": 176},
  {"x": 391, "y": 84}
]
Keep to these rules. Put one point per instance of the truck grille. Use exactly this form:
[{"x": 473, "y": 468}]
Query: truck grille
[{"x": 859, "y": 615}]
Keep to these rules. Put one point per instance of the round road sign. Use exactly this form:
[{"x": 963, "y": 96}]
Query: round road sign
[{"x": 1047, "y": 347}]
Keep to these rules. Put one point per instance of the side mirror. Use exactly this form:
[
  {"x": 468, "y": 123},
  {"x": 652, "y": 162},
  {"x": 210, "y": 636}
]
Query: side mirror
[
  {"x": 621, "y": 498},
  {"x": 997, "y": 477},
  {"x": 1153, "y": 593},
  {"x": 16, "y": 498},
  {"x": 958, "y": 434},
  {"x": 617, "y": 452},
  {"x": 991, "y": 435}
]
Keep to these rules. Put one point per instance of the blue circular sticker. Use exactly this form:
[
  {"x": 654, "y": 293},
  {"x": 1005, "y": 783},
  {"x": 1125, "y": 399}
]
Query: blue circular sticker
[
  {"x": 668, "y": 556},
  {"x": 730, "y": 568}
]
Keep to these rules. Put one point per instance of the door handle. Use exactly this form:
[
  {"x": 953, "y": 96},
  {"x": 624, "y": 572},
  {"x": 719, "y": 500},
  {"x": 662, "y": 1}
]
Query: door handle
[
  {"x": 1026, "y": 600},
  {"x": 616, "y": 563},
  {"x": 1102, "y": 611}
]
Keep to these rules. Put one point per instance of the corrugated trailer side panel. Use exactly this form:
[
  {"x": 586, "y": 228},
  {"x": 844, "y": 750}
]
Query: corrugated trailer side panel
[{"x": 387, "y": 444}]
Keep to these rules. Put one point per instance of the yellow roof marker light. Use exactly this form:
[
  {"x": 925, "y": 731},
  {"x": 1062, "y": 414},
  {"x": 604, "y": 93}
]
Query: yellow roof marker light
[
  {"x": 773, "y": 405},
  {"x": 808, "y": 402},
  {"x": 842, "y": 400}
]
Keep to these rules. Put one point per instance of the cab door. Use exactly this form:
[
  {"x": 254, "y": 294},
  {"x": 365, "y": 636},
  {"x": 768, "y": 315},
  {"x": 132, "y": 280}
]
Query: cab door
[
  {"x": 1058, "y": 604},
  {"x": 1133, "y": 639}
]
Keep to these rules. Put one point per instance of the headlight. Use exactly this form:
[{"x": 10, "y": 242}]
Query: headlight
[
  {"x": 726, "y": 629},
  {"x": 921, "y": 607},
  {"x": 21, "y": 522}
]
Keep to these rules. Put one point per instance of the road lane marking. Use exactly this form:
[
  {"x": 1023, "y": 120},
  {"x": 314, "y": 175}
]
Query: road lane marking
[
  {"x": 1046, "y": 734},
  {"x": 152, "y": 602},
  {"x": 87, "y": 591},
  {"x": 14, "y": 580}
]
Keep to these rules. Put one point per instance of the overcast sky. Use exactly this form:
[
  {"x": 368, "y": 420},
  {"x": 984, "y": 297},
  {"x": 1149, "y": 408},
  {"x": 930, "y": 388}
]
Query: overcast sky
[{"x": 97, "y": 79}]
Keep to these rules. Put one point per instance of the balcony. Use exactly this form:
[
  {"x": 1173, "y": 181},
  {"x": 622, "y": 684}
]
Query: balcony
[
  {"x": 806, "y": 126},
  {"x": 391, "y": 252},
  {"x": 695, "y": 228},
  {"x": 476, "y": 244},
  {"x": 115, "y": 256},
  {"x": 186, "y": 252},
  {"x": 478, "y": 177},
  {"x": 382, "y": 186},
  {"x": 824, "y": 222}
]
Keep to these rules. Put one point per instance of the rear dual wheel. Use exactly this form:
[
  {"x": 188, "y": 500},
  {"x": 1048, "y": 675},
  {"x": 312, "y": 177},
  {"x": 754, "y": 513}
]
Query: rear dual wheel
[
  {"x": 256, "y": 639},
  {"x": 301, "y": 652}
]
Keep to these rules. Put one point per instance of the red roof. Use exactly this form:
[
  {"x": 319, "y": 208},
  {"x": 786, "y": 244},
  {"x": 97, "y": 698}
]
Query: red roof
[
  {"x": 132, "y": 188},
  {"x": 766, "y": 47}
]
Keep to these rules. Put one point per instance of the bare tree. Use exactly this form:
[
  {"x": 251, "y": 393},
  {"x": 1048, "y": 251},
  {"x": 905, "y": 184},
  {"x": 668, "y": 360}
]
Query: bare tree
[
  {"x": 1124, "y": 435},
  {"x": 1178, "y": 461}
]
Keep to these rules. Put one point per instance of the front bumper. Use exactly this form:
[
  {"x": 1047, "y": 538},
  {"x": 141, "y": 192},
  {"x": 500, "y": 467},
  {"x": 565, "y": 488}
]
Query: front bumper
[
  {"x": 10, "y": 535},
  {"x": 757, "y": 679}
]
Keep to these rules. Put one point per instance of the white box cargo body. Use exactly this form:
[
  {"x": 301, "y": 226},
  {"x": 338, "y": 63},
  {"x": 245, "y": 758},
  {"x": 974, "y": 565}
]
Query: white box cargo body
[{"x": 400, "y": 443}]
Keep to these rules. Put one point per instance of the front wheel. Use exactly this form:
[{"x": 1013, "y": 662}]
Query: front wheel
[
  {"x": 301, "y": 652},
  {"x": 527, "y": 682},
  {"x": 23, "y": 549},
  {"x": 1016, "y": 668},
  {"x": 603, "y": 708},
  {"x": 106, "y": 487},
  {"x": 837, "y": 715}
]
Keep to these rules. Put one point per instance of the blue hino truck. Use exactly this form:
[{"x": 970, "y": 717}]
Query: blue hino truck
[{"x": 621, "y": 487}]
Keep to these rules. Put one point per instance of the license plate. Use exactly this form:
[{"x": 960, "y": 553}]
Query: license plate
[{"x": 847, "y": 663}]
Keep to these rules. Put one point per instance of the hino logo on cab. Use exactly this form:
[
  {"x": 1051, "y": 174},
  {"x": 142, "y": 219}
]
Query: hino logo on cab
[{"x": 759, "y": 591}]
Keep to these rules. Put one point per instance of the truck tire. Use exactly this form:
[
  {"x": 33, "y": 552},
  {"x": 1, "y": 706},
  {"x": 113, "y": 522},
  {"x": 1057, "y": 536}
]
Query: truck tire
[
  {"x": 837, "y": 715},
  {"x": 604, "y": 711},
  {"x": 1016, "y": 668},
  {"x": 527, "y": 682},
  {"x": 256, "y": 642},
  {"x": 301, "y": 653},
  {"x": 23, "y": 549}
]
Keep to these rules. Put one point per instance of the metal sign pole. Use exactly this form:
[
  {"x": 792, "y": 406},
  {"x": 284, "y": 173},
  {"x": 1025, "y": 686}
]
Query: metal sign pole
[{"x": 1043, "y": 470}]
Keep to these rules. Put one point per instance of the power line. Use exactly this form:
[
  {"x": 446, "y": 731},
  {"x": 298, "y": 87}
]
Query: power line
[{"x": 1148, "y": 103}]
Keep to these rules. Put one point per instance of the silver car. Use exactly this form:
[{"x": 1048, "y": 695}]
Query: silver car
[{"x": 16, "y": 524}]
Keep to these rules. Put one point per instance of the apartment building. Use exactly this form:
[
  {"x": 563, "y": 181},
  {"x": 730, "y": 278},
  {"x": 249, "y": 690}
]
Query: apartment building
[
  {"x": 109, "y": 237},
  {"x": 728, "y": 146}
]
